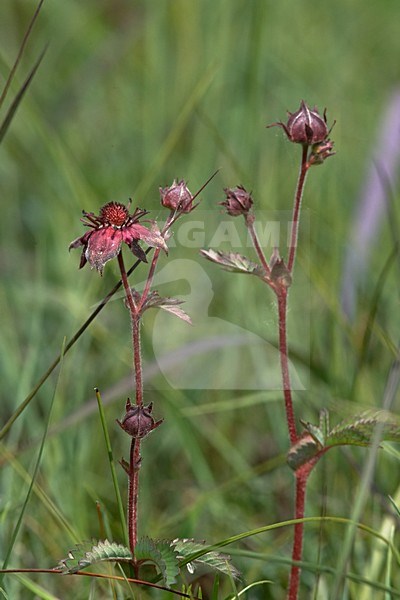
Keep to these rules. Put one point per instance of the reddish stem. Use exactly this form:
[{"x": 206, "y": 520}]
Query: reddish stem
[
  {"x": 297, "y": 551},
  {"x": 249, "y": 218},
  {"x": 135, "y": 322},
  {"x": 296, "y": 209},
  {"x": 150, "y": 276},
  {"x": 128, "y": 292},
  {"x": 170, "y": 221},
  {"x": 282, "y": 295},
  {"x": 134, "y": 466},
  {"x": 302, "y": 475},
  {"x": 134, "y": 459},
  {"x": 137, "y": 359}
]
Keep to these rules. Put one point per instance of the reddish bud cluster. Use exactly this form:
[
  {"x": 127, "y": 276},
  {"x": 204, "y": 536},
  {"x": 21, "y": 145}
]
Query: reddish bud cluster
[
  {"x": 177, "y": 197},
  {"x": 238, "y": 201},
  {"x": 138, "y": 421},
  {"x": 305, "y": 126}
]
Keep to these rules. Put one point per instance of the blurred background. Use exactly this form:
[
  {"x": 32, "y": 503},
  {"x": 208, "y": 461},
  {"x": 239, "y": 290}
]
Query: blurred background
[{"x": 130, "y": 95}]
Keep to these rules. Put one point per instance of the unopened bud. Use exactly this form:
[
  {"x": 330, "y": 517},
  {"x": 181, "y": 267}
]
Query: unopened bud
[
  {"x": 320, "y": 152},
  {"x": 238, "y": 201},
  {"x": 138, "y": 421},
  {"x": 177, "y": 197},
  {"x": 305, "y": 126}
]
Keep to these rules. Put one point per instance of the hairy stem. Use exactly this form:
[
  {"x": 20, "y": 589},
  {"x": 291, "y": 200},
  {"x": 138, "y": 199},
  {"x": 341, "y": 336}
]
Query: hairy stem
[
  {"x": 134, "y": 467},
  {"x": 134, "y": 312},
  {"x": 282, "y": 296},
  {"x": 296, "y": 208},
  {"x": 128, "y": 292},
  {"x": 134, "y": 458},
  {"x": 302, "y": 475},
  {"x": 137, "y": 360},
  {"x": 297, "y": 551},
  {"x": 249, "y": 218},
  {"x": 150, "y": 276}
]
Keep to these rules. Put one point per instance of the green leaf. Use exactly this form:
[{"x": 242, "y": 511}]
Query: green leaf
[
  {"x": 360, "y": 430},
  {"x": 210, "y": 560},
  {"x": 161, "y": 554},
  {"x": 90, "y": 553},
  {"x": 231, "y": 261},
  {"x": 170, "y": 560},
  {"x": 320, "y": 432}
]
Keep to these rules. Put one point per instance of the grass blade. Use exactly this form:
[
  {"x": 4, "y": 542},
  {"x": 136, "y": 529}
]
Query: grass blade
[
  {"x": 112, "y": 467},
  {"x": 17, "y": 100},
  {"x": 34, "y": 475},
  {"x": 20, "y": 52}
]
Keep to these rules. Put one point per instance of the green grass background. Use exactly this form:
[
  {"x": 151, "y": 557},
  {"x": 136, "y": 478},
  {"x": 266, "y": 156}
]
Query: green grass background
[{"x": 130, "y": 95}]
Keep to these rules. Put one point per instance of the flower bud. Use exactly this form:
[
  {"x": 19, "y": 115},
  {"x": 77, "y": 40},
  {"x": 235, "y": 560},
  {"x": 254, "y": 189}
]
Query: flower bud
[
  {"x": 305, "y": 126},
  {"x": 238, "y": 201},
  {"x": 177, "y": 197},
  {"x": 320, "y": 152},
  {"x": 138, "y": 421}
]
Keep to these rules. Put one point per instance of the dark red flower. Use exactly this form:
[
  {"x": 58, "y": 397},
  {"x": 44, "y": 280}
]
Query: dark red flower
[
  {"x": 177, "y": 197},
  {"x": 113, "y": 226},
  {"x": 238, "y": 201},
  {"x": 305, "y": 126}
]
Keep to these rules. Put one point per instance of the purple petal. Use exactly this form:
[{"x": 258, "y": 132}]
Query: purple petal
[
  {"x": 152, "y": 238},
  {"x": 80, "y": 241},
  {"x": 103, "y": 245}
]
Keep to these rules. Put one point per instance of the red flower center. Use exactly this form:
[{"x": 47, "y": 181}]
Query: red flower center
[{"x": 114, "y": 213}]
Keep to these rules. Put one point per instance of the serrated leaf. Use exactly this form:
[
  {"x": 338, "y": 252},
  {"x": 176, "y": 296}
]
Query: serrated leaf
[
  {"x": 211, "y": 560},
  {"x": 161, "y": 554},
  {"x": 360, "y": 430},
  {"x": 89, "y": 553},
  {"x": 170, "y": 560},
  {"x": 146, "y": 549},
  {"x": 232, "y": 261},
  {"x": 171, "y": 305},
  {"x": 303, "y": 451},
  {"x": 177, "y": 312}
]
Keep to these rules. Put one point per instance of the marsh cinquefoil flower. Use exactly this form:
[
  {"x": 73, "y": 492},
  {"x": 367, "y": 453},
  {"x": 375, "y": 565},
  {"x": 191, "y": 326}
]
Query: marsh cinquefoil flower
[{"x": 113, "y": 226}]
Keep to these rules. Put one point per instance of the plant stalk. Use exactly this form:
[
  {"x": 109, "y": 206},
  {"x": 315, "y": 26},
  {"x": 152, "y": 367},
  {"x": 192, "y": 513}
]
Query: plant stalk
[
  {"x": 297, "y": 550},
  {"x": 297, "y": 207},
  {"x": 249, "y": 218},
  {"x": 282, "y": 296},
  {"x": 133, "y": 493},
  {"x": 134, "y": 457}
]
